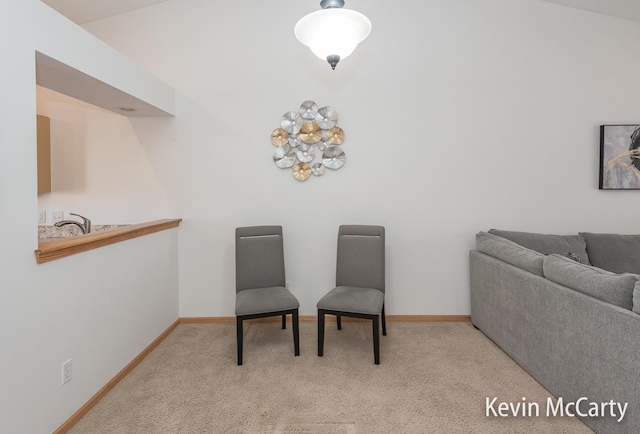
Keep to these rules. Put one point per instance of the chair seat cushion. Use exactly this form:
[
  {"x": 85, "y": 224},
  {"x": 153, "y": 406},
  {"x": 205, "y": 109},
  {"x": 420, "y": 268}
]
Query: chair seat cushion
[
  {"x": 264, "y": 300},
  {"x": 367, "y": 301}
]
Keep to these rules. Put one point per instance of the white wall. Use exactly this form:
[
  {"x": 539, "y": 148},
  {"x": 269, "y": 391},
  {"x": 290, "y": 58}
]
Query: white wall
[
  {"x": 459, "y": 116},
  {"x": 100, "y": 308}
]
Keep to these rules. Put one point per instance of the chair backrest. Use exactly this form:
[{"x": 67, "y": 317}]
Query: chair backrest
[
  {"x": 259, "y": 257},
  {"x": 361, "y": 257}
]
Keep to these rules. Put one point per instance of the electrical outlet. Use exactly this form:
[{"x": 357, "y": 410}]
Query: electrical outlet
[
  {"x": 57, "y": 216},
  {"x": 66, "y": 371},
  {"x": 42, "y": 217}
]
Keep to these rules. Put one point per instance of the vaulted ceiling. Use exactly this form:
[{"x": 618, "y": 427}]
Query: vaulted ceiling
[
  {"x": 627, "y": 9},
  {"x": 83, "y": 11}
]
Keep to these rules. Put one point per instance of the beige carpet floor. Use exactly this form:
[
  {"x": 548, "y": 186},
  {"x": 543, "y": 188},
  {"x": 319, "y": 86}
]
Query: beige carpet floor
[{"x": 433, "y": 378}]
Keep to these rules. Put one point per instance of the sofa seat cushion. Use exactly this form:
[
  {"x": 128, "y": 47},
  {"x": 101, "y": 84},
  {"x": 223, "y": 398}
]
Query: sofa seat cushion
[
  {"x": 604, "y": 285},
  {"x": 548, "y": 243},
  {"x": 510, "y": 252},
  {"x": 614, "y": 252}
]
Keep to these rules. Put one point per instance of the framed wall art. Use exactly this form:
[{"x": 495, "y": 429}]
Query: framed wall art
[{"x": 620, "y": 157}]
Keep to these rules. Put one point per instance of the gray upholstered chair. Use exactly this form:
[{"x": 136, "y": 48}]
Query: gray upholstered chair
[
  {"x": 260, "y": 280},
  {"x": 360, "y": 282}
]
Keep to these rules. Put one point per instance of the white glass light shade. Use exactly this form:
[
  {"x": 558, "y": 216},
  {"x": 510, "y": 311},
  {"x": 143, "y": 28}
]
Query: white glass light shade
[{"x": 333, "y": 31}]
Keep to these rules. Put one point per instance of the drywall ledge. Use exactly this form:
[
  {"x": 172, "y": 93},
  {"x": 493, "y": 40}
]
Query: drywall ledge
[
  {"x": 64, "y": 79},
  {"x": 56, "y": 249}
]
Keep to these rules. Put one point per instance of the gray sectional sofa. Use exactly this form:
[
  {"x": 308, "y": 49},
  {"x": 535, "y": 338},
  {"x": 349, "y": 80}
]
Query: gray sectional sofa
[{"x": 566, "y": 309}]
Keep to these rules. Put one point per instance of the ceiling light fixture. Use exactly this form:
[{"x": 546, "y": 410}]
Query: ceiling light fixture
[{"x": 332, "y": 33}]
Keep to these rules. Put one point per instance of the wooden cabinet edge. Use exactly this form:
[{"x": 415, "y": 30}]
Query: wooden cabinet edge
[
  {"x": 44, "y": 153},
  {"x": 56, "y": 249}
]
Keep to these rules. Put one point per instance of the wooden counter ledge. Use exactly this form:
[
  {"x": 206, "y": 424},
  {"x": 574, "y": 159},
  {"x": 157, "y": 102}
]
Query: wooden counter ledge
[{"x": 56, "y": 249}]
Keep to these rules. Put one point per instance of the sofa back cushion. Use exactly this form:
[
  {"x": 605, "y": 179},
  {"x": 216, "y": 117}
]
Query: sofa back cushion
[
  {"x": 510, "y": 252},
  {"x": 613, "y": 252},
  {"x": 548, "y": 243},
  {"x": 610, "y": 287}
]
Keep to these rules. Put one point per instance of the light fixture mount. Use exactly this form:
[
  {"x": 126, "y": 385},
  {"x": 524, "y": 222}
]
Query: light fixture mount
[
  {"x": 333, "y": 32},
  {"x": 326, "y": 4},
  {"x": 333, "y": 60}
]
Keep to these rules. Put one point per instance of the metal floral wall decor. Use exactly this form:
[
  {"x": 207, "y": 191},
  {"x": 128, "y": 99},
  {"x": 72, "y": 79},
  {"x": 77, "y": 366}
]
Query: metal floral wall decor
[
  {"x": 620, "y": 157},
  {"x": 308, "y": 141}
]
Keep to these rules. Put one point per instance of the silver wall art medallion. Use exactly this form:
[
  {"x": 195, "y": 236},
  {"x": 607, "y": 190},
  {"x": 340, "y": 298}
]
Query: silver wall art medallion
[
  {"x": 308, "y": 141},
  {"x": 317, "y": 169},
  {"x": 305, "y": 153},
  {"x": 291, "y": 122},
  {"x": 327, "y": 117},
  {"x": 284, "y": 156},
  {"x": 308, "y": 110},
  {"x": 294, "y": 141},
  {"x": 334, "y": 157},
  {"x": 322, "y": 144}
]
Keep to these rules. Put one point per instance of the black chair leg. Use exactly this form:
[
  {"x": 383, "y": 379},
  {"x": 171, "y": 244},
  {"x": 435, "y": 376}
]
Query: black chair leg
[
  {"x": 284, "y": 321},
  {"x": 376, "y": 341},
  {"x": 339, "y": 321},
  {"x": 320, "y": 332},
  {"x": 239, "y": 338},
  {"x": 384, "y": 322},
  {"x": 296, "y": 332}
]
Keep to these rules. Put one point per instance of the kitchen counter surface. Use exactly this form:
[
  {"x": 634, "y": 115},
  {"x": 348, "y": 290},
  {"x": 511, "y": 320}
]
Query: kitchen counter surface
[
  {"x": 52, "y": 232},
  {"x": 50, "y": 248}
]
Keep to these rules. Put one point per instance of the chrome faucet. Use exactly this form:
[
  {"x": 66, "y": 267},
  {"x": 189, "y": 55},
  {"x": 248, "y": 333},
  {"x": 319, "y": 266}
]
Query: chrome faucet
[{"x": 85, "y": 226}]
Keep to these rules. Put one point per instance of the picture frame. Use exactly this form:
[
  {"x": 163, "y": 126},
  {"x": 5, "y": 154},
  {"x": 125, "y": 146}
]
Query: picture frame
[{"x": 620, "y": 157}]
